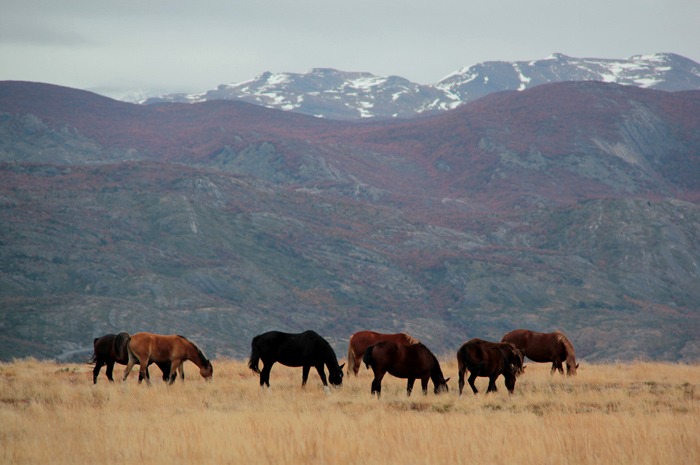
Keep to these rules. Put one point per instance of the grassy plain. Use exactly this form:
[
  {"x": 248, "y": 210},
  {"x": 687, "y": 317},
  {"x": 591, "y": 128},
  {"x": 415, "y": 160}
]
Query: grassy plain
[{"x": 638, "y": 413}]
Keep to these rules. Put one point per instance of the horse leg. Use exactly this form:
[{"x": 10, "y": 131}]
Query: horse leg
[
  {"x": 304, "y": 375},
  {"x": 471, "y": 380},
  {"x": 96, "y": 370},
  {"x": 175, "y": 365},
  {"x": 143, "y": 371},
  {"x": 265, "y": 375},
  {"x": 560, "y": 368},
  {"x": 129, "y": 366},
  {"x": 510, "y": 383},
  {"x": 424, "y": 385},
  {"x": 460, "y": 374},
  {"x": 110, "y": 368},
  {"x": 377, "y": 384},
  {"x": 409, "y": 386},
  {"x": 322, "y": 375},
  {"x": 492, "y": 384}
]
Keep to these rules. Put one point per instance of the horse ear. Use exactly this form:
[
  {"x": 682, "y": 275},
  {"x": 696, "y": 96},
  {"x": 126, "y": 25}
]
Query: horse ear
[
  {"x": 577, "y": 366},
  {"x": 341, "y": 366},
  {"x": 447, "y": 380}
]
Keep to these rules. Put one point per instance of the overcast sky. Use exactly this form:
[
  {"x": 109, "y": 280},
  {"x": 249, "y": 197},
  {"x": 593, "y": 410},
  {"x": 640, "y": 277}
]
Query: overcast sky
[{"x": 171, "y": 45}]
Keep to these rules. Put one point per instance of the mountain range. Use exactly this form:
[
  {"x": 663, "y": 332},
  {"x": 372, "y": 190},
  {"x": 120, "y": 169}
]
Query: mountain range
[
  {"x": 571, "y": 206},
  {"x": 335, "y": 94}
]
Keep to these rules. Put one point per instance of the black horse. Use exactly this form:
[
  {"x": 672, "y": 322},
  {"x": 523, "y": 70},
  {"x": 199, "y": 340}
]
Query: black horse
[
  {"x": 489, "y": 360},
  {"x": 111, "y": 349},
  {"x": 305, "y": 350}
]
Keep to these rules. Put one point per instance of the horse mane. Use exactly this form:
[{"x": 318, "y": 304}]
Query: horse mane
[
  {"x": 410, "y": 339},
  {"x": 561, "y": 337},
  {"x": 201, "y": 355},
  {"x": 332, "y": 359}
]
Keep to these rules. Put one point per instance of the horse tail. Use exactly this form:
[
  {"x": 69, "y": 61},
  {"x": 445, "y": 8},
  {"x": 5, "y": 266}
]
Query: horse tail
[
  {"x": 120, "y": 346},
  {"x": 351, "y": 357},
  {"x": 472, "y": 365},
  {"x": 93, "y": 358},
  {"x": 367, "y": 358},
  {"x": 254, "y": 357}
]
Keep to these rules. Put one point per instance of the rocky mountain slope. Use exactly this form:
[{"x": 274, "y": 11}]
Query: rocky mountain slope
[
  {"x": 571, "y": 206},
  {"x": 334, "y": 94}
]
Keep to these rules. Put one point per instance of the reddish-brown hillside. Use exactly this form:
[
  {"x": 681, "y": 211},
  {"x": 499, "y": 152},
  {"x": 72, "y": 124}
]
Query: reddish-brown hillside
[{"x": 569, "y": 206}]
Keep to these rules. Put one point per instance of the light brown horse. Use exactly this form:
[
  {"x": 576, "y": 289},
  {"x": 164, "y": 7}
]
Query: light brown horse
[
  {"x": 545, "y": 347},
  {"x": 149, "y": 347},
  {"x": 361, "y": 340}
]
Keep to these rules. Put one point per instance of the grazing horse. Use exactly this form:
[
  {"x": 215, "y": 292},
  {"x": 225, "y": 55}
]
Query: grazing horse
[
  {"x": 409, "y": 362},
  {"x": 305, "y": 350},
  {"x": 545, "y": 347},
  {"x": 111, "y": 349},
  {"x": 362, "y": 339},
  {"x": 158, "y": 348},
  {"x": 490, "y": 360}
]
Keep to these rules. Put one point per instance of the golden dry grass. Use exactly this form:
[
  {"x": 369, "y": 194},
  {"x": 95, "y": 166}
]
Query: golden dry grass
[{"x": 639, "y": 413}]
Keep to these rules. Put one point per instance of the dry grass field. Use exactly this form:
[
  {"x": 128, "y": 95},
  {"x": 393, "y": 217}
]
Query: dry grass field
[{"x": 638, "y": 413}]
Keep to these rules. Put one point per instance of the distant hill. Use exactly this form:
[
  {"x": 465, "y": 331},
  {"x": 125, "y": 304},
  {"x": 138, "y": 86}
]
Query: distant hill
[
  {"x": 344, "y": 95},
  {"x": 571, "y": 206}
]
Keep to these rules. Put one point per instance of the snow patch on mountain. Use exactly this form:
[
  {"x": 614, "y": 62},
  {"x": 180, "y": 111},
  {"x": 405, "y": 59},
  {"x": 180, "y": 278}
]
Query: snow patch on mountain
[{"x": 330, "y": 93}]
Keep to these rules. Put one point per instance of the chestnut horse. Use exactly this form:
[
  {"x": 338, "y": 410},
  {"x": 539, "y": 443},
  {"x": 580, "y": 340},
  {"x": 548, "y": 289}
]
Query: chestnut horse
[
  {"x": 306, "y": 350},
  {"x": 490, "y": 360},
  {"x": 111, "y": 349},
  {"x": 362, "y": 339},
  {"x": 545, "y": 347},
  {"x": 159, "y": 348},
  {"x": 410, "y": 362}
]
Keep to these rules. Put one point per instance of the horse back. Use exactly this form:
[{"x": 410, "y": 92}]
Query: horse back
[
  {"x": 484, "y": 357},
  {"x": 403, "y": 361},
  {"x": 158, "y": 347},
  {"x": 361, "y": 340},
  {"x": 538, "y": 347},
  {"x": 292, "y": 349}
]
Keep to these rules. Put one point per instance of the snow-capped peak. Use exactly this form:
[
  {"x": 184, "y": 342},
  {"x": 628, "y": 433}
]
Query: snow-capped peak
[{"x": 331, "y": 93}]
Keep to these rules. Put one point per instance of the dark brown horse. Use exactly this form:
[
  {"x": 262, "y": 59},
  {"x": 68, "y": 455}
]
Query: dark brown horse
[
  {"x": 545, "y": 347},
  {"x": 111, "y": 349},
  {"x": 490, "y": 360},
  {"x": 158, "y": 348},
  {"x": 362, "y": 339},
  {"x": 408, "y": 362},
  {"x": 306, "y": 350}
]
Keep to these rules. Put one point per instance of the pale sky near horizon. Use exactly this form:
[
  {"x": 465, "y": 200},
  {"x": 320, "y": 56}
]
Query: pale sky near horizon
[{"x": 175, "y": 46}]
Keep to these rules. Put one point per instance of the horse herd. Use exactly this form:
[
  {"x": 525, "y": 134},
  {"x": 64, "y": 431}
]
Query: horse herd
[{"x": 399, "y": 354}]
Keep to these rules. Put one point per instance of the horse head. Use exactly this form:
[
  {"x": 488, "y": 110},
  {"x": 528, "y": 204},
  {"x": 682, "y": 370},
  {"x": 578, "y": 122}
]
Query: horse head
[
  {"x": 516, "y": 359},
  {"x": 571, "y": 369},
  {"x": 336, "y": 377},
  {"x": 207, "y": 371},
  {"x": 442, "y": 387}
]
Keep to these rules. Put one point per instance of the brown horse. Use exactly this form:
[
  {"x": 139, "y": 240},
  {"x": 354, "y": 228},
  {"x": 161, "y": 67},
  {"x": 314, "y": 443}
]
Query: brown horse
[
  {"x": 409, "y": 362},
  {"x": 490, "y": 360},
  {"x": 362, "y": 339},
  {"x": 147, "y": 347},
  {"x": 111, "y": 349},
  {"x": 545, "y": 347}
]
